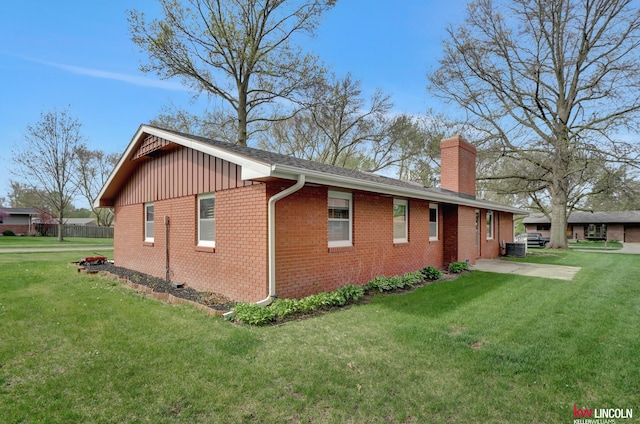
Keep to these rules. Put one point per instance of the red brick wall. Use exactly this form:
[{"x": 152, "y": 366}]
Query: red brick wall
[
  {"x": 467, "y": 247},
  {"x": 458, "y": 165},
  {"x": 16, "y": 228},
  {"x": 237, "y": 267},
  {"x": 304, "y": 262}
]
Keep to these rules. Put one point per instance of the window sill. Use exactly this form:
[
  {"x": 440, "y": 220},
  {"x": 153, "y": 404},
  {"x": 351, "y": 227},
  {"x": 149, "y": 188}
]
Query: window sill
[
  {"x": 400, "y": 244},
  {"x": 341, "y": 249},
  {"x": 206, "y": 249},
  {"x": 148, "y": 243},
  {"x": 433, "y": 239}
]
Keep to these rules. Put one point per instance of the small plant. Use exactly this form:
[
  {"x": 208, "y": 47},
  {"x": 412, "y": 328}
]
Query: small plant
[
  {"x": 431, "y": 273},
  {"x": 458, "y": 267},
  {"x": 351, "y": 293},
  {"x": 254, "y": 314},
  {"x": 8, "y": 233}
]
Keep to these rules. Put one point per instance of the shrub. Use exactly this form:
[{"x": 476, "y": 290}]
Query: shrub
[
  {"x": 351, "y": 293},
  {"x": 409, "y": 279},
  {"x": 254, "y": 314},
  {"x": 8, "y": 233},
  {"x": 380, "y": 283},
  {"x": 283, "y": 307},
  {"x": 431, "y": 273},
  {"x": 458, "y": 267},
  {"x": 250, "y": 313}
]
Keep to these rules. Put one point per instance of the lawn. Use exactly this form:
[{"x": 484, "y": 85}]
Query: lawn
[
  {"x": 47, "y": 242},
  {"x": 483, "y": 348}
]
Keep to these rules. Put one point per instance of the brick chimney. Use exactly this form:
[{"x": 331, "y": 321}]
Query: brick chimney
[{"x": 458, "y": 165}]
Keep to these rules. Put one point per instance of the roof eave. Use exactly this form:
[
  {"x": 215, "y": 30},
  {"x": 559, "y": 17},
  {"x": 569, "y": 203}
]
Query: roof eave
[{"x": 317, "y": 177}]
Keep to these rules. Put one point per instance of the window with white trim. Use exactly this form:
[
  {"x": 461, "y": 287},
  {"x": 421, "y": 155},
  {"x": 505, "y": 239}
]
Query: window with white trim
[
  {"x": 340, "y": 218},
  {"x": 400, "y": 221},
  {"x": 206, "y": 220},
  {"x": 148, "y": 222},
  {"x": 433, "y": 222},
  {"x": 490, "y": 225}
]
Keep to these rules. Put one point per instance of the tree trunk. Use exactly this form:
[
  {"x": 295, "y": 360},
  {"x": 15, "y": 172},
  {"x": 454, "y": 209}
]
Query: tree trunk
[
  {"x": 242, "y": 116},
  {"x": 558, "y": 217},
  {"x": 60, "y": 230}
]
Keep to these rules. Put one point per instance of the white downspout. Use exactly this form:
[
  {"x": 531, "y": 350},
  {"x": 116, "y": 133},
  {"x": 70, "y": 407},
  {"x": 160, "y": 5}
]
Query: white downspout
[{"x": 271, "y": 234}]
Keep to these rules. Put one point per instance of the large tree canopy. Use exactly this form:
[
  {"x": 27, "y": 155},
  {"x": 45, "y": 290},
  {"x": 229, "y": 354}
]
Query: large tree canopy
[
  {"x": 242, "y": 51},
  {"x": 552, "y": 85}
]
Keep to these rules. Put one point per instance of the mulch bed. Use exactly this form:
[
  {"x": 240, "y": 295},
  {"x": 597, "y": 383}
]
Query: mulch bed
[
  {"x": 215, "y": 304},
  {"x": 211, "y": 303}
]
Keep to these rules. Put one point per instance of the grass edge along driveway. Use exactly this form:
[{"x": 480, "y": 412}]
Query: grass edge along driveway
[{"x": 483, "y": 348}]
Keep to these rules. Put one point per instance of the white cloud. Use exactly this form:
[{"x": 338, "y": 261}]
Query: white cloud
[{"x": 130, "y": 79}]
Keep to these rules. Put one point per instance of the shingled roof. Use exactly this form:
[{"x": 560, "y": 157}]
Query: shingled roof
[
  {"x": 257, "y": 164},
  {"x": 580, "y": 217}
]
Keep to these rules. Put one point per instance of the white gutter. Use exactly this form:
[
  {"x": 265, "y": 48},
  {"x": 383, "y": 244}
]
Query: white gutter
[
  {"x": 319, "y": 177},
  {"x": 272, "y": 237}
]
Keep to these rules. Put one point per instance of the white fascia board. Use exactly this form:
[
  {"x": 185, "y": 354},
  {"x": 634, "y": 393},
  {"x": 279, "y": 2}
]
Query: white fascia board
[
  {"x": 322, "y": 178},
  {"x": 251, "y": 168},
  {"x": 123, "y": 159}
]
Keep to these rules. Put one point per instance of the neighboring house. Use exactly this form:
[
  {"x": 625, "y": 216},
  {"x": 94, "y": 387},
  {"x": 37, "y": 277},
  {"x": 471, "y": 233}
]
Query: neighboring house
[
  {"x": 81, "y": 221},
  {"x": 71, "y": 221},
  {"x": 253, "y": 225},
  {"x": 623, "y": 226},
  {"x": 18, "y": 220}
]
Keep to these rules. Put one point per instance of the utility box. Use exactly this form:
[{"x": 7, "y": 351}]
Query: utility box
[{"x": 518, "y": 250}]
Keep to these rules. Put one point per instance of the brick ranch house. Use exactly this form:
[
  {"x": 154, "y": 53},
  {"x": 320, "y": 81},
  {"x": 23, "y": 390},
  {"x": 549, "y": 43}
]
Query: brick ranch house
[
  {"x": 18, "y": 220},
  {"x": 622, "y": 226},
  {"x": 253, "y": 225}
]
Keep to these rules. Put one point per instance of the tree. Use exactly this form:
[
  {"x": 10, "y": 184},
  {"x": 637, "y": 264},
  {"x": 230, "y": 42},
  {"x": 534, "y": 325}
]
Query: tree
[
  {"x": 25, "y": 196},
  {"x": 550, "y": 84},
  {"x": 336, "y": 125},
  {"x": 216, "y": 125},
  {"x": 239, "y": 50},
  {"x": 93, "y": 170},
  {"x": 47, "y": 161}
]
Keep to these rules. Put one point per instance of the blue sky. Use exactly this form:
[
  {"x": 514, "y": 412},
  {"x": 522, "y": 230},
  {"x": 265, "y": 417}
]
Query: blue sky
[{"x": 77, "y": 55}]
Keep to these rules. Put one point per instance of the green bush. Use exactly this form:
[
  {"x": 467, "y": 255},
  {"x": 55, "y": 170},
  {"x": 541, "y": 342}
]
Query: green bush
[
  {"x": 380, "y": 283},
  {"x": 8, "y": 233},
  {"x": 351, "y": 293},
  {"x": 458, "y": 267},
  {"x": 283, "y": 307},
  {"x": 409, "y": 279},
  {"x": 431, "y": 273},
  {"x": 254, "y": 314}
]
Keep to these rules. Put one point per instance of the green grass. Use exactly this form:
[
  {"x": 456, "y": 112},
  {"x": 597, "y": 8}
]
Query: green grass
[
  {"x": 47, "y": 242},
  {"x": 483, "y": 348},
  {"x": 598, "y": 245}
]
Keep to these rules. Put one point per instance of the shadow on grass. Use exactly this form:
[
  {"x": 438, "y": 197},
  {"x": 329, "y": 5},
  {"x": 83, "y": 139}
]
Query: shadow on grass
[{"x": 445, "y": 296}]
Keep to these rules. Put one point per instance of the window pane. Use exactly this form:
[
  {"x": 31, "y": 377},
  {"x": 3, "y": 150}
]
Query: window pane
[
  {"x": 399, "y": 230},
  {"x": 433, "y": 222},
  {"x": 148, "y": 229},
  {"x": 149, "y": 213},
  {"x": 338, "y": 208},
  {"x": 206, "y": 207},
  {"x": 207, "y": 229},
  {"x": 339, "y": 230},
  {"x": 399, "y": 221}
]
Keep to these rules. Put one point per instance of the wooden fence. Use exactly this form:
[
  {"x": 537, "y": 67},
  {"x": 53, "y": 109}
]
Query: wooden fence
[{"x": 75, "y": 231}]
